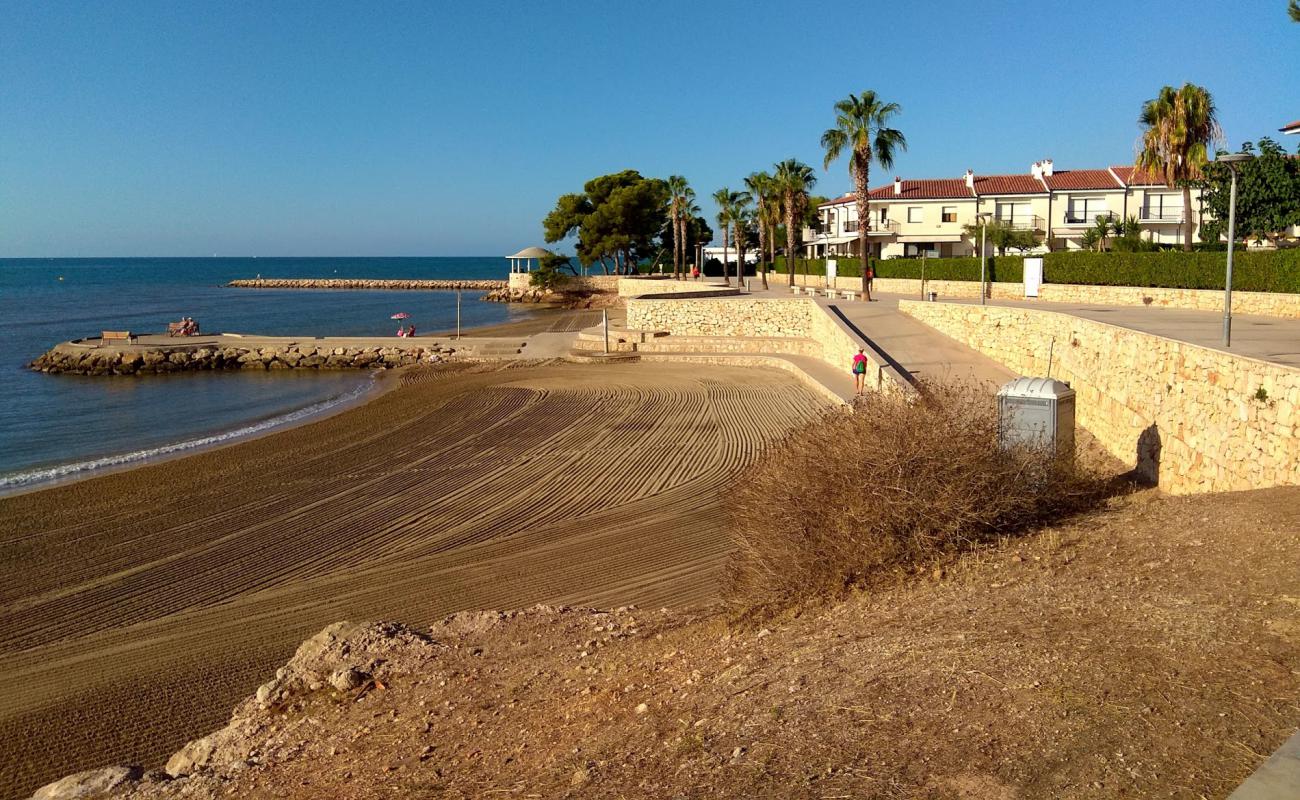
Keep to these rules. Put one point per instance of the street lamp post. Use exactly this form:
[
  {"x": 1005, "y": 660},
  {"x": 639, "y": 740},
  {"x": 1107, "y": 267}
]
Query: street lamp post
[
  {"x": 1232, "y": 160},
  {"x": 983, "y": 217}
]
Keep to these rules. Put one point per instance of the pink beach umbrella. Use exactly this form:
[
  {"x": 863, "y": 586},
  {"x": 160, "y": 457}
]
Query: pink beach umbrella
[{"x": 401, "y": 315}]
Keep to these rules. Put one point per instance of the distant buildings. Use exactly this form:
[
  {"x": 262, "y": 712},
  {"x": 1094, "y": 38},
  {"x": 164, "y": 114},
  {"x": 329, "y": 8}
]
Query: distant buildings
[
  {"x": 927, "y": 216},
  {"x": 1291, "y": 127}
]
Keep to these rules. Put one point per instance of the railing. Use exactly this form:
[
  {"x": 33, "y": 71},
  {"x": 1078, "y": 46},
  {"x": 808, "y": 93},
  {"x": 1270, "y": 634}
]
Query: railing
[
  {"x": 1162, "y": 216},
  {"x": 1073, "y": 217},
  {"x": 1022, "y": 223}
]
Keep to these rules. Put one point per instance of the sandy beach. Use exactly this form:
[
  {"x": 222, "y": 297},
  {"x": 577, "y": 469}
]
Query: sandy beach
[{"x": 138, "y": 607}]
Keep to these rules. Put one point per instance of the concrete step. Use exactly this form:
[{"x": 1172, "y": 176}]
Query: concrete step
[
  {"x": 589, "y": 357},
  {"x": 730, "y": 344}
]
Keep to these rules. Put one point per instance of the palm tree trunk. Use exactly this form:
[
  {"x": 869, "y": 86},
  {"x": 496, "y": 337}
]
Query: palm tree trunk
[
  {"x": 726, "y": 241},
  {"x": 1187, "y": 218},
  {"x": 789, "y": 237},
  {"x": 860, "y": 174}
]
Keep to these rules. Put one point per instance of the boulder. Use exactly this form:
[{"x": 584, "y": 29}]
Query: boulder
[
  {"x": 192, "y": 757},
  {"x": 91, "y": 783}
]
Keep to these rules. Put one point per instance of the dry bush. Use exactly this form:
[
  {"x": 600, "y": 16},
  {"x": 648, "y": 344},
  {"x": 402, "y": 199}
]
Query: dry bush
[{"x": 855, "y": 499}]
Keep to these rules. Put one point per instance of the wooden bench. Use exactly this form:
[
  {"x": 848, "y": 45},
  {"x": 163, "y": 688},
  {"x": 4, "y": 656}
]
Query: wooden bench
[{"x": 116, "y": 336}]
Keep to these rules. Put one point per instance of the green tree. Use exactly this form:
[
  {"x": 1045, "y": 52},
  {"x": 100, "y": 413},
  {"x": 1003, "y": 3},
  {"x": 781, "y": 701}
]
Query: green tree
[
  {"x": 1293, "y": 9},
  {"x": 1268, "y": 194},
  {"x": 1001, "y": 235},
  {"x": 681, "y": 198},
  {"x": 794, "y": 180},
  {"x": 549, "y": 270},
  {"x": 1178, "y": 127},
  {"x": 1128, "y": 237},
  {"x": 616, "y": 219},
  {"x": 862, "y": 126},
  {"x": 1088, "y": 239},
  {"x": 742, "y": 220},
  {"x": 728, "y": 203},
  {"x": 767, "y": 209}
]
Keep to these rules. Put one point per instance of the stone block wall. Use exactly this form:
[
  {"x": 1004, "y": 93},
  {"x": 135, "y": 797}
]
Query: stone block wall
[
  {"x": 77, "y": 359},
  {"x": 522, "y": 281},
  {"x": 633, "y": 287},
  {"x": 1190, "y": 418}
]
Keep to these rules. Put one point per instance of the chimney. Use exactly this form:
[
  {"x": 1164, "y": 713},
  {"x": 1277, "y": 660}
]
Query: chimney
[
  {"x": 1047, "y": 168},
  {"x": 898, "y": 185},
  {"x": 1036, "y": 170},
  {"x": 970, "y": 179}
]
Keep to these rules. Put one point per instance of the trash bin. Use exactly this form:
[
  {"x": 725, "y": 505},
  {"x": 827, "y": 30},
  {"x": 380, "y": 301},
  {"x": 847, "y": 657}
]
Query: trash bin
[
  {"x": 934, "y": 296},
  {"x": 1036, "y": 412}
]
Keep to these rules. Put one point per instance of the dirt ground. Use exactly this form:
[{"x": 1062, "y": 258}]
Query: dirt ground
[
  {"x": 137, "y": 608},
  {"x": 1151, "y": 650}
]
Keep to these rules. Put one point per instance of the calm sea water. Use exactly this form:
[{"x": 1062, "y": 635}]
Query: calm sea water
[{"x": 56, "y": 426}]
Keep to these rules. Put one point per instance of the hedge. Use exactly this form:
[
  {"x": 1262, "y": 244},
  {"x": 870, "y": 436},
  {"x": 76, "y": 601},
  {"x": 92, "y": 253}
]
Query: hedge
[
  {"x": 1001, "y": 268},
  {"x": 1257, "y": 271}
]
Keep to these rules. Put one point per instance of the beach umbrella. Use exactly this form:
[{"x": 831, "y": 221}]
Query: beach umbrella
[{"x": 401, "y": 315}]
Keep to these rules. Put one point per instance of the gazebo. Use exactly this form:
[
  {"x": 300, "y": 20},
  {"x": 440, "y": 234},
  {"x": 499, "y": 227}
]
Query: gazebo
[{"x": 523, "y": 260}]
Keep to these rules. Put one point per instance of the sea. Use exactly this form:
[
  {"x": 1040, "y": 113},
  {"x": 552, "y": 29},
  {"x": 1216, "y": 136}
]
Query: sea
[{"x": 55, "y": 428}]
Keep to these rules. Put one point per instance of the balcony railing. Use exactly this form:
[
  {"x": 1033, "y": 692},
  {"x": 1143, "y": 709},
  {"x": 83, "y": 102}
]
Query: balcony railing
[
  {"x": 1162, "y": 216},
  {"x": 1022, "y": 223},
  {"x": 1073, "y": 217}
]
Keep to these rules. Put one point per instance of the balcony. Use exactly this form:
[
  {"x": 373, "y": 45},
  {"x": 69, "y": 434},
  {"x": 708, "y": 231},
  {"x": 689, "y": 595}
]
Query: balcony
[
  {"x": 881, "y": 227},
  {"x": 1087, "y": 218},
  {"x": 1022, "y": 223},
  {"x": 1159, "y": 216}
]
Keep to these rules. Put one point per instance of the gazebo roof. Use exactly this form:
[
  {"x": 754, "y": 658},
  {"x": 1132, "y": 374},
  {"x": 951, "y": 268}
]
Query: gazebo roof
[{"x": 531, "y": 252}]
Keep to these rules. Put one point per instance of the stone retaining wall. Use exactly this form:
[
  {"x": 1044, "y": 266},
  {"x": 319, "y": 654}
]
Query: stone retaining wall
[
  {"x": 1190, "y": 418},
  {"x": 1269, "y": 304},
  {"x": 633, "y": 287},
  {"x": 363, "y": 283},
  {"x": 571, "y": 283},
  {"x": 752, "y": 321},
  {"x": 84, "y": 360}
]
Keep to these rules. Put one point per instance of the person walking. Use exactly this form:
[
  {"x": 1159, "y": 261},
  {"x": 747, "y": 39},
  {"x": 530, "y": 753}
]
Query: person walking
[
  {"x": 859, "y": 371},
  {"x": 871, "y": 279}
]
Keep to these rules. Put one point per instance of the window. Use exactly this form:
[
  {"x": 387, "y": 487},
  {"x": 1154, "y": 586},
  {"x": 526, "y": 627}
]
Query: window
[
  {"x": 1015, "y": 214},
  {"x": 914, "y": 213},
  {"x": 1086, "y": 209},
  {"x": 1164, "y": 207},
  {"x": 949, "y": 214},
  {"x": 884, "y": 214}
]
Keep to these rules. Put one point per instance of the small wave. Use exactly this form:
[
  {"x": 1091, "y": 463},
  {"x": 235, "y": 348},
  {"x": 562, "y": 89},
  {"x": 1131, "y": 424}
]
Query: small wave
[{"x": 62, "y": 472}]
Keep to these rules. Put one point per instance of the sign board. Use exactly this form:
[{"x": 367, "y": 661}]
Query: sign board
[
  {"x": 1033, "y": 276},
  {"x": 831, "y": 271}
]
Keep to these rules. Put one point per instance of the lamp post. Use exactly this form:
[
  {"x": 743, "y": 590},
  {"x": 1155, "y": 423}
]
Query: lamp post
[
  {"x": 1232, "y": 160},
  {"x": 983, "y": 218}
]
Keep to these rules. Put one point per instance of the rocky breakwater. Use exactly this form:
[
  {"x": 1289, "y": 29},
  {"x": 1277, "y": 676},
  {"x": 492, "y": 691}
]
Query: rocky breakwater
[
  {"x": 506, "y": 294},
  {"x": 365, "y": 283},
  {"x": 85, "y": 360}
]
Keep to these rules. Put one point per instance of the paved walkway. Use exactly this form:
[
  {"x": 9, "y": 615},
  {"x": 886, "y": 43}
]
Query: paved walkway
[
  {"x": 1272, "y": 339},
  {"x": 1278, "y": 778}
]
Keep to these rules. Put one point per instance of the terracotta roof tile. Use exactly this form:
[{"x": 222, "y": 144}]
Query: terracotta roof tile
[
  {"x": 844, "y": 198},
  {"x": 925, "y": 189},
  {"x": 1082, "y": 179},
  {"x": 1132, "y": 176},
  {"x": 1291, "y": 127},
  {"x": 1008, "y": 184}
]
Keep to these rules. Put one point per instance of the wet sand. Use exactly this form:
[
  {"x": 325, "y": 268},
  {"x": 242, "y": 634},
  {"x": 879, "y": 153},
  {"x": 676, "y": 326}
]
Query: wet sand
[{"x": 137, "y": 608}]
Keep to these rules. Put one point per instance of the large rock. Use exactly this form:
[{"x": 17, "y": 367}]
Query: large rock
[
  {"x": 192, "y": 757},
  {"x": 88, "y": 784}
]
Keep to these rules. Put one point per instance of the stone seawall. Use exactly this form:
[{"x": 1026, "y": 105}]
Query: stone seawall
[
  {"x": 77, "y": 359},
  {"x": 1190, "y": 418},
  {"x": 364, "y": 283}
]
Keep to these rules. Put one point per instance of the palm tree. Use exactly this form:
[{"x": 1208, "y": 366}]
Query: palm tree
[
  {"x": 1293, "y": 8},
  {"x": 741, "y": 216},
  {"x": 862, "y": 126},
  {"x": 794, "y": 179},
  {"x": 760, "y": 185},
  {"x": 679, "y": 195},
  {"x": 1179, "y": 126},
  {"x": 1103, "y": 228},
  {"x": 727, "y": 202}
]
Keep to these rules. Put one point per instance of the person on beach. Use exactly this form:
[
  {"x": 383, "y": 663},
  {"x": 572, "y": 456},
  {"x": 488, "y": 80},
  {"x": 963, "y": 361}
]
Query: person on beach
[
  {"x": 401, "y": 331},
  {"x": 859, "y": 371},
  {"x": 871, "y": 278},
  {"x": 410, "y": 332}
]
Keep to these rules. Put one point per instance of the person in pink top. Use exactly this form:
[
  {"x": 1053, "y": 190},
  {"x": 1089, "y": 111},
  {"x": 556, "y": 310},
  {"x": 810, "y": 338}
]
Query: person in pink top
[{"x": 859, "y": 370}]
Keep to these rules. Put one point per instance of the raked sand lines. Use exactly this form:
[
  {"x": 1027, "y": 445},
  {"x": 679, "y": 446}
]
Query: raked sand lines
[{"x": 137, "y": 608}]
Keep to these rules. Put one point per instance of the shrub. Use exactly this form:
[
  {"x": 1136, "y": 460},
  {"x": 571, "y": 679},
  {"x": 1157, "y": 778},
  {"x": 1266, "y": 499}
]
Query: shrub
[
  {"x": 1001, "y": 268},
  {"x": 1258, "y": 271},
  {"x": 855, "y": 500}
]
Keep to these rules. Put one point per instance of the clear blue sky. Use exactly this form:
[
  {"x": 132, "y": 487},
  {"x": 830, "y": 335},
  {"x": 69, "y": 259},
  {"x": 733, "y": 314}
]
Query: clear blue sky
[{"x": 320, "y": 128}]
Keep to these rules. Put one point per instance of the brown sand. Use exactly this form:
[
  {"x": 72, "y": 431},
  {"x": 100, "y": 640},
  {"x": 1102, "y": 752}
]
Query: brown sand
[{"x": 137, "y": 608}]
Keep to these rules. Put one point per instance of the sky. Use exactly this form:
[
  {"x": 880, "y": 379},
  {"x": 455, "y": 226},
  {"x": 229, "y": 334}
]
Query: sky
[{"x": 444, "y": 129}]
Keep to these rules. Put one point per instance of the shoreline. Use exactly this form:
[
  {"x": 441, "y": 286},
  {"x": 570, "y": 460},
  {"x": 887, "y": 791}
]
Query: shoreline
[{"x": 380, "y": 382}]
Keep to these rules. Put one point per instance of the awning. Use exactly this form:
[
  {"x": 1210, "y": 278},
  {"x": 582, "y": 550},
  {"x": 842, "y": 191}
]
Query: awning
[
  {"x": 936, "y": 238},
  {"x": 832, "y": 240}
]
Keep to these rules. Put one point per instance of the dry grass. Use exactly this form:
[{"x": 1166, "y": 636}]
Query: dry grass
[{"x": 854, "y": 500}]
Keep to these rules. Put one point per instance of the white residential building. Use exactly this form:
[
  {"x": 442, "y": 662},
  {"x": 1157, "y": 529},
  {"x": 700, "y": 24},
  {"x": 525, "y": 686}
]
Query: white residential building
[{"x": 928, "y": 216}]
